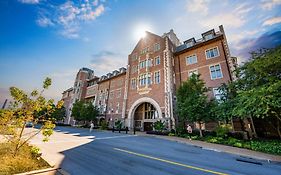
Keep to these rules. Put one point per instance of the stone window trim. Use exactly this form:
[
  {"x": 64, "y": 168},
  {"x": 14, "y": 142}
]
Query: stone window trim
[
  {"x": 211, "y": 72},
  {"x": 191, "y": 56},
  {"x": 157, "y": 78},
  {"x": 155, "y": 60},
  {"x": 216, "y": 47}
]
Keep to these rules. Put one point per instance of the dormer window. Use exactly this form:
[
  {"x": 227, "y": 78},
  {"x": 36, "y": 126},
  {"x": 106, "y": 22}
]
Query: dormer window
[
  {"x": 190, "y": 42},
  {"x": 208, "y": 35}
]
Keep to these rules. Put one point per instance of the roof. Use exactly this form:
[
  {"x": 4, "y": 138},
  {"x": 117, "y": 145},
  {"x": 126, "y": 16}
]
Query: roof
[{"x": 184, "y": 47}]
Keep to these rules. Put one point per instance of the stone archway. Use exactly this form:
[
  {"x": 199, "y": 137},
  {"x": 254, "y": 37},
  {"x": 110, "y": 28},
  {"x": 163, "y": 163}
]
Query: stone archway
[{"x": 139, "y": 102}]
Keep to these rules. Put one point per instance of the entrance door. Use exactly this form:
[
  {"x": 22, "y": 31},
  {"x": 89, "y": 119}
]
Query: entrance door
[{"x": 148, "y": 126}]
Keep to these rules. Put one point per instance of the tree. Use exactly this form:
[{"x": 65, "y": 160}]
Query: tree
[
  {"x": 23, "y": 110},
  {"x": 76, "y": 110},
  {"x": 59, "y": 114},
  {"x": 89, "y": 111},
  {"x": 84, "y": 111},
  {"x": 259, "y": 87},
  {"x": 192, "y": 102},
  {"x": 223, "y": 109}
]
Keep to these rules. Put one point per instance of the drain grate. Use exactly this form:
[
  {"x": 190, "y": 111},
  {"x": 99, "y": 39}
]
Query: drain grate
[{"x": 248, "y": 161}]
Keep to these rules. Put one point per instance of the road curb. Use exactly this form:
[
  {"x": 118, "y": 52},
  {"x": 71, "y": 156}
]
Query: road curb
[{"x": 223, "y": 148}]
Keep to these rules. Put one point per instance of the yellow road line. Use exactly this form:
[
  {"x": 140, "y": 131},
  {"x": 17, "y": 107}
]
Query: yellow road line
[{"x": 171, "y": 162}]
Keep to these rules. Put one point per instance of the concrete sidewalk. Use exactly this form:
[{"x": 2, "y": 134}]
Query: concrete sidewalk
[{"x": 219, "y": 148}]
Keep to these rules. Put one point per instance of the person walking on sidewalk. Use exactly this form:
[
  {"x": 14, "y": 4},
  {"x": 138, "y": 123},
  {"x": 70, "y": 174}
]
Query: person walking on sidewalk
[{"x": 92, "y": 126}]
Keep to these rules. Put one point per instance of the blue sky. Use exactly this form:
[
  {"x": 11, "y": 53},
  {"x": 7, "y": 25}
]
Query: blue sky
[{"x": 55, "y": 38}]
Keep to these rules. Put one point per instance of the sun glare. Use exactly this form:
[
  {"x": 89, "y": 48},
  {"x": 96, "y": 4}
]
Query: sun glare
[{"x": 140, "y": 31}]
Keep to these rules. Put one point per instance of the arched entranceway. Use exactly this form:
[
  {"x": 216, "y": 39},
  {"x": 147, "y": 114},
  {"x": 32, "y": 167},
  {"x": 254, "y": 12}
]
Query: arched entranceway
[
  {"x": 143, "y": 113},
  {"x": 144, "y": 117}
]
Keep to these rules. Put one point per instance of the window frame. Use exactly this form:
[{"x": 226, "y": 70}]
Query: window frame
[
  {"x": 211, "y": 49},
  {"x": 211, "y": 71},
  {"x": 191, "y": 56}
]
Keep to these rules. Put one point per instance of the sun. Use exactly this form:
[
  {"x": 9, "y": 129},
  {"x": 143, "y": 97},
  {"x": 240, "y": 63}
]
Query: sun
[{"x": 140, "y": 31}]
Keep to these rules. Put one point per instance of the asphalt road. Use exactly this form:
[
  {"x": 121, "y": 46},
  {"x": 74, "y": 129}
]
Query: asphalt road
[{"x": 121, "y": 154}]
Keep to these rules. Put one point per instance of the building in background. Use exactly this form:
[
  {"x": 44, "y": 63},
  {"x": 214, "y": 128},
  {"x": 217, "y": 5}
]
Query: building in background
[{"x": 145, "y": 92}]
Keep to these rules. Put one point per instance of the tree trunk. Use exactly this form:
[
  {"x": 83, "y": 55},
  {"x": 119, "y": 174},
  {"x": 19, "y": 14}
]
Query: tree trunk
[{"x": 200, "y": 129}]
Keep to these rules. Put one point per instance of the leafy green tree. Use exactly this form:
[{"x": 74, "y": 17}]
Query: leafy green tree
[
  {"x": 192, "y": 102},
  {"x": 22, "y": 110},
  {"x": 223, "y": 109},
  {"x": 84, "y": 111},
  {"x": 59, "y": 114},
  {"x": 89, "y": 112},
  {"x": 76, "y": 110},
  {"x": 259, "y": 87}
]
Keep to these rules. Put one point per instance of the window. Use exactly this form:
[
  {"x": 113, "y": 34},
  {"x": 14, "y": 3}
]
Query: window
[
  {"x": 191, "y": 59},
  {"x": 133, "y": 83},
  {"x": 211, "y": 53},
  {"x": 209, "y": 36},
  {"x": 149, "y": 79},
  {"x": 118, "y": 94},
  {"x": 149, "y": 111},
  {"x": 217, "y": 94},
  {"x": 156, "y": 47},
  {"x": 134, "y": 57},
  {"x": 157, "y": 77},
  {"x": 111, "y": 94},
  {"x": 144, "y": 51},
  {"x": 134, "y": 69},
  {"x": 189, "y": 44},
  {"x": 215, "y": 71},
  {"x": 190, "y": 73},
  {"x": 142, "y": 64},
  {"x": 149, "y": 63},
  {"x": 157, "y": 60},
  {"x": 117, "y": 107},
  {"x": 142, "y": 80}
]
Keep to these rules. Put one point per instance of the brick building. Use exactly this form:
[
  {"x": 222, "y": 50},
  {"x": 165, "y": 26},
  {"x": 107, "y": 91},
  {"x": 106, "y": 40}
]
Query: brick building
[{"x": 145, "y": 92}]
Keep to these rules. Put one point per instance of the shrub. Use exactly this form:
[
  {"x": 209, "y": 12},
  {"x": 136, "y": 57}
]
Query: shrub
[
  {"x": 222, "y": 130},
  {"x": 159, "y": 126},
  {"x": 103, "y": 124},
  {"x": 171, "y": 134},
  {"x": 268, "y": 146}
]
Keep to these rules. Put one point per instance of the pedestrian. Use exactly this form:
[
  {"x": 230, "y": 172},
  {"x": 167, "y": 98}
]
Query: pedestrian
[
  {"x": 189, "y": 129},
  {"x": 91, "y": 126}
]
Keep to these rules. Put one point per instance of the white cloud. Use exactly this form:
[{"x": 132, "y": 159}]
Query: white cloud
[
  {"x": 243, "y": 9},
  {"x": 228, "y": 20},
  {"x": 200, "y": 6},
  {"x": 272, "y": 21},
  {"x": 68, "y": 16},
  {"x": 30, "y": 1},
  {"x": 107, "y": 61},
  {"x": 270, "y": 4},
  {"x": 44, "y": 22}
]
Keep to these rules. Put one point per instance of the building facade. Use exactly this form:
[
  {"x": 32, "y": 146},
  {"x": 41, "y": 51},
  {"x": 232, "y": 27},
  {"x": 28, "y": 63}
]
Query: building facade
[{"x": 145, "y": 92}]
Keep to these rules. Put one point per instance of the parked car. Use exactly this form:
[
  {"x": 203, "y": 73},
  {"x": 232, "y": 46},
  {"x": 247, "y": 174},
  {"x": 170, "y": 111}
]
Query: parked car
[{"x": 29, "y": 124}]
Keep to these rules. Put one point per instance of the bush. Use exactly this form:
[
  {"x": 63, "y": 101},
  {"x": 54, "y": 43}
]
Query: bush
[
  {"x": 103, "y": 125},
  {"x": 268, "y": 146},
  {"x": 171, "y": 134},
  {"x": 159, "y": 126},
  {"x": 222, "y": 130},
  {"x": 24, "y": 161}
]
